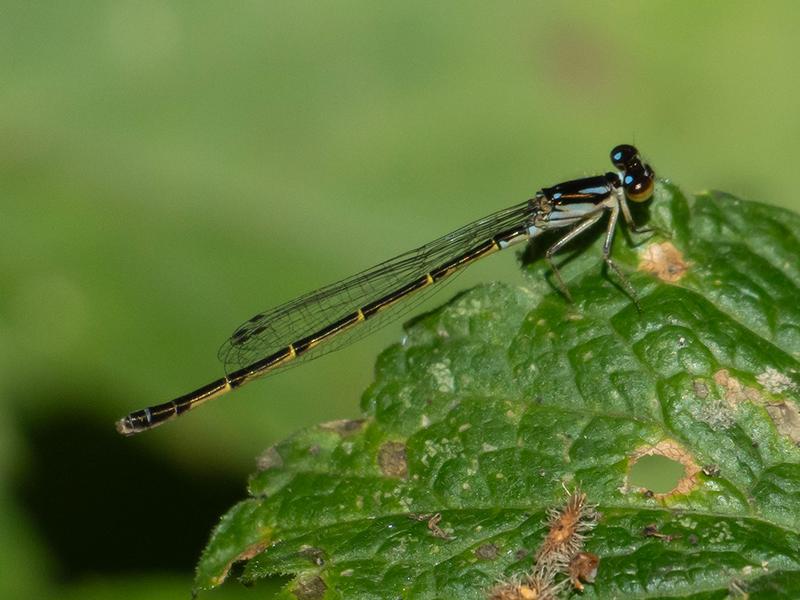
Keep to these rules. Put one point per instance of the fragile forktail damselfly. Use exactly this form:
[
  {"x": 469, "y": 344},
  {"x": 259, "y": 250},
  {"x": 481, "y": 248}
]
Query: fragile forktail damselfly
[{"x": 338, "y": 314}]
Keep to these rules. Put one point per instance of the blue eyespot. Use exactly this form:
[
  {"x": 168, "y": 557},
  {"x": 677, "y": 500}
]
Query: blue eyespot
[
  {"x": 623, "y": 155},
  {"x": 628, "y": 179}
]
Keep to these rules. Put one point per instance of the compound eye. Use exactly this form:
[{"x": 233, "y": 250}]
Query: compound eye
[
  {"x": 623, "y": 155},
  {"x": 639, "y": 182}
]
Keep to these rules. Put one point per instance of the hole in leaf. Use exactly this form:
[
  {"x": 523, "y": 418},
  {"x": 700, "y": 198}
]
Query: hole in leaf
[{"x": 656, "y": 473}]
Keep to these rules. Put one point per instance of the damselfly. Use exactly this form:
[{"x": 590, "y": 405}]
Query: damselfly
[{"x": 339, "y": 314}]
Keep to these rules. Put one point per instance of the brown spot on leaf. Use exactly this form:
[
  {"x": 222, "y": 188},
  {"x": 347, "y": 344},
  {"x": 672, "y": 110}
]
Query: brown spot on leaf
[
  {"x": 674, "y": 451},
  {"x": 310, "y": 588},
  {"x": 783, "y": 413},
  {"x": 487, "y": 551},
  {"x": 392, "y": 460},
  {"x": 733, "y": 389},
  {"x": 344, "y": 427},
  {"x": 583, "y": 567},
  {"x": 252, "y": 551},
  {"x": 315, "y": 555},
  {"x": 786, "y": 418},
  {"x": 247, "y": 554},
  {"x": 664, "y": 261},
  {"x": 269, "y": 459},
  {"x": 700, "y": 389},
  {"x": 718, "y": 409}
]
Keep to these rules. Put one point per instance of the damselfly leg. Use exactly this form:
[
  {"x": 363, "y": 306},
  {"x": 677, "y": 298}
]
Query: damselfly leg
[
  {"x": 571, "y": 235},
  {"x": 612, "y": 226},
  {"x": 584, "y": 224}
]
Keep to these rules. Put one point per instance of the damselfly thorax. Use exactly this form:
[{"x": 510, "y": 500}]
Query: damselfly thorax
[{"x": 338, "y": 314}]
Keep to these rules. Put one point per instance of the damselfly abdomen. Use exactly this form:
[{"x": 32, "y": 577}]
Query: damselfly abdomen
[{"x": 338, "y": 314}]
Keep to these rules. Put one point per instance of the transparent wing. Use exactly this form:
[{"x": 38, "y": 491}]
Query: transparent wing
[{"x": 270, "y": 331}]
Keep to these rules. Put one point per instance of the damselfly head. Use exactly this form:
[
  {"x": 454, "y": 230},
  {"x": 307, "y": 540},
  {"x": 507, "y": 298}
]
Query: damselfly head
[
  {"x": 623, "y": 155},
  {"x": 638, "y": 178},
  {"x": 638, "y": 181}
]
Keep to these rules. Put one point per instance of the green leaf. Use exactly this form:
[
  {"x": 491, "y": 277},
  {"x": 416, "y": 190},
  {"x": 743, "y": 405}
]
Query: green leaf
[{"x": 507, "y": 396}]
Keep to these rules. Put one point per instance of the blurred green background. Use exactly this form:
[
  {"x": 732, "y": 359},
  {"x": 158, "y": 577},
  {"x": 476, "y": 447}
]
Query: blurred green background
[{"x": 168, "y": 169}]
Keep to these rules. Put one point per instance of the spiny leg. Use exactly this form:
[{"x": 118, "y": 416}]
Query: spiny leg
[
  {"x": 571, "y": 234},
  {"x": 612, "y": 225}
]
